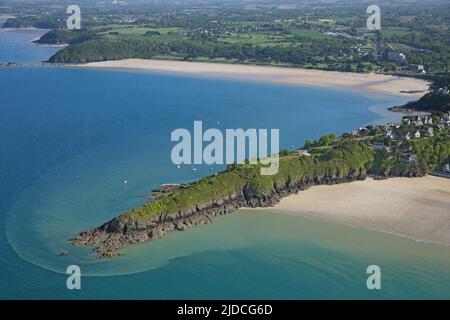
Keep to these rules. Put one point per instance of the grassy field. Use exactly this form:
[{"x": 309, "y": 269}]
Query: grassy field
[
  {"x": 263, "y": 39},
  {"x": 258, "y": 39},
  {"x": 140, "y": 33},
  {"x": 394, "y": 31},
  {"x": 309, "y": 33}
]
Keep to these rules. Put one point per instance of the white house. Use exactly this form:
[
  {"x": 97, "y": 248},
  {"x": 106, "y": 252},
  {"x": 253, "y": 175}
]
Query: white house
[
  {"x": 407, "y": 136},
  {"x": 417, "y": 134},
  {"x": 304, "y": 153},
  {"x": 390, "y": 134}
]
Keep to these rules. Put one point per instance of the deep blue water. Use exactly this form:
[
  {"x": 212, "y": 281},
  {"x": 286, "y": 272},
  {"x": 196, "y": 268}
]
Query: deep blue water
[{"x": 69, "y": 137}]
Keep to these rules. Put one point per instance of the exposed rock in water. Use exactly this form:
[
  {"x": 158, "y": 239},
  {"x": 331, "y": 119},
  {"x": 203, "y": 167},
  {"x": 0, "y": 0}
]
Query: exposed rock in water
[
  {"x": 165, "y": 190},
  {"x": 9, "y": 64},
  {"x": 124, "y": 230}
]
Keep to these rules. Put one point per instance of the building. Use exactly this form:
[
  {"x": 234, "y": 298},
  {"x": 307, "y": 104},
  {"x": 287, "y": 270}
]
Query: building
[
  {"x": 428, "y": 132},
  {"x": 417, "y": 134},
  {"x": 396, "y": 57},
  {"x": 363, "y": 131},
  {"x": 303, "y": 153},
  {"x": 424, "y": 120},
  {"x": 390, "y": 134},
  {"x": 418, "y": 121},
  {"x": 446, "y": 168}
]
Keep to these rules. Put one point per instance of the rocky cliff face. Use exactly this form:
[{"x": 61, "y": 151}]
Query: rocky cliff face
[{"x": 124, "y": 230}]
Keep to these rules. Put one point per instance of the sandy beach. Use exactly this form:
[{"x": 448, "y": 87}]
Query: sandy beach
[
  {"x": 413, "y": 207},
  {"x": 352, "y": 81}
]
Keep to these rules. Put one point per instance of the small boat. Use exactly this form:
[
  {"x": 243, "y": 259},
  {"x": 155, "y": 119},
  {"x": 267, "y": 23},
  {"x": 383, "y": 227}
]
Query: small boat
[
  {"x": 125, "y": 181},
  {"x": 194, "y": 169},
  {"x": 63, "y": 253},
  {"x": 178, "y": 167}
]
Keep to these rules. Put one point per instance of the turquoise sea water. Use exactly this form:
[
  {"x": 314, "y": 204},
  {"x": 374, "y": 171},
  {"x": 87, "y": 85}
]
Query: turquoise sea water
[{"x": 70, "y": 137}]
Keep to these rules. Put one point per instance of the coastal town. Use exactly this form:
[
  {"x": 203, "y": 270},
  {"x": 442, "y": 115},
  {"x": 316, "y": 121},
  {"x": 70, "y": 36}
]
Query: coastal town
[
  {"x": 397, "y": 140},
  {"x": 395, "y": 144}
]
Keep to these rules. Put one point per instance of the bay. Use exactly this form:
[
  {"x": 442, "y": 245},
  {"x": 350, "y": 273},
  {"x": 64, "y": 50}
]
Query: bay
[{"x": 69, "y": 137}]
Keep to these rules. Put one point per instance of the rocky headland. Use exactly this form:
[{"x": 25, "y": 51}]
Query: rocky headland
[{"x": 124, "y": 230}]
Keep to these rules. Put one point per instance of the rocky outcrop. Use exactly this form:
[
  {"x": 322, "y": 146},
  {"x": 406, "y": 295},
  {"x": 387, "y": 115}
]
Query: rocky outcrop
[
  {"x": 166, "y": 190},
  {"x": 125, "y": 229}
]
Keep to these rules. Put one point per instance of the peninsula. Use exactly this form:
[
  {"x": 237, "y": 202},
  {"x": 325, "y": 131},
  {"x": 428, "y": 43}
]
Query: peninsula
[{"x": 412, "y": 148}]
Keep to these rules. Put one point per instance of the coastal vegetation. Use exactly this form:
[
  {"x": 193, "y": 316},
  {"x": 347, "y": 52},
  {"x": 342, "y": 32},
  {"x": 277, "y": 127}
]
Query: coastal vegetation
[
  {"x": 370, "y": 150},
  {"x": 414, "y": 41},
  {"x": 326, "y": 36},
  {"x": 418, "y": 157},
  {"x": 416, "y": 146},
  {"x": 436, "y": 100},
  {"x": 345, "y": 158},
  {"x": 108, "y": 49},
  {"x": 66, "y": 36}
]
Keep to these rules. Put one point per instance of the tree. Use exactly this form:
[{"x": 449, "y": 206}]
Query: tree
[{"x": 307, "y": 144}]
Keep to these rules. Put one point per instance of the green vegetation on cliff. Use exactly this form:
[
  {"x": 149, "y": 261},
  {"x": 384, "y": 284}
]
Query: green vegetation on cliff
[
  {"x": 432, "y": 101},
  {"x": 346, "y": 158},
  {"x": 350, "y": 155},
  {"x": 108, "y": 49},
  {"x": 66, "y": 36}
]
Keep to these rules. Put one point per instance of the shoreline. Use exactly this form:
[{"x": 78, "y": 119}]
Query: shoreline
[
  {"x": 35, "y": 39},
  {"x": 416, "y": 208},
  {"x": 373, "y": 83}
]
